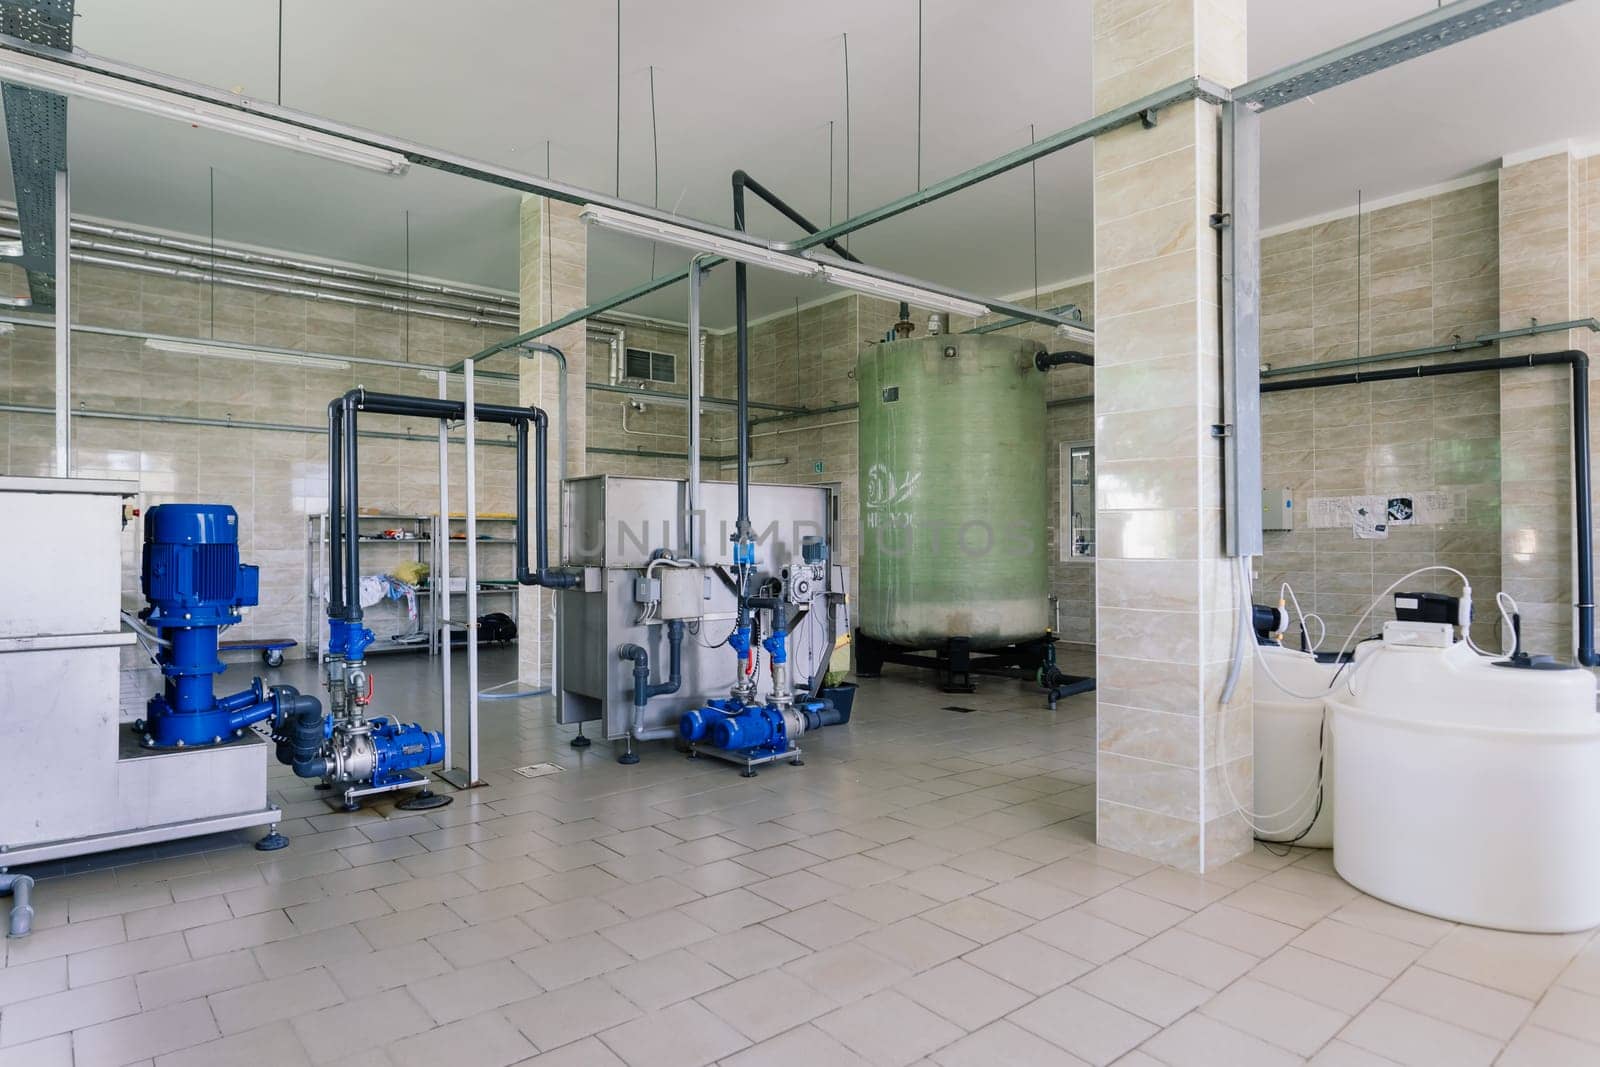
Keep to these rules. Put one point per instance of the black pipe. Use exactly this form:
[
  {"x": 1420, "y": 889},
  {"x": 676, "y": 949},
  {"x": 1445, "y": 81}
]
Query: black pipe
[
  {"x": 740, "y": 178},
  {"x": 352, "y": 512},
  {"x": 297, "y": 729},
  {"x": 643, "y": 688},
  {"x": 1046, "y": 360},
  {"x": 335, "y": 510},
  {"x": 741, "y": 313},
  {"x": 541, "y": 574},
  {"x": 1578, "y": 363},
  {"x": 343, "y": 475}
]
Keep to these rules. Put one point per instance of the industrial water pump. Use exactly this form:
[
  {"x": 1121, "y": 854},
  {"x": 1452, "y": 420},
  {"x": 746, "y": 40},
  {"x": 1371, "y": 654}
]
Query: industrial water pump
[{"x": 196, "y": 585}]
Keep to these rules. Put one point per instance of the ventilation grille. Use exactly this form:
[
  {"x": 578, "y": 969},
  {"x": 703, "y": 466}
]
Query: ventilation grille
[{"x": 644, "y": 366}]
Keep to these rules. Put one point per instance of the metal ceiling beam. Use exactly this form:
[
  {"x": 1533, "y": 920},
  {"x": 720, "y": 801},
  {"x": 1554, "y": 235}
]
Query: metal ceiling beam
[
  {"x": 496, "y": 175},
  {"x": 1389, "y": 47},
  {"x": 36, "y": 134},
  {"x": 1141, "y": 110},
  {"x": 1240, "y": 434}
]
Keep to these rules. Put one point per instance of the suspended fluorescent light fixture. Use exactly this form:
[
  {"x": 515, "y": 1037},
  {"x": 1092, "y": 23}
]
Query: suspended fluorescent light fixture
[
  {"x": 251, "y": 355},
  {"x": 20, "y": 68},
  {"x": 696, "y": 241},
  {"x": 911, "y": 294},
  {"x": 774, "y": 461}
]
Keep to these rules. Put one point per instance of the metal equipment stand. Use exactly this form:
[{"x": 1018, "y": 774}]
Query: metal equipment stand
[
  {"x": 955, "y": 663},
  {"x": 746, "y": 761}
]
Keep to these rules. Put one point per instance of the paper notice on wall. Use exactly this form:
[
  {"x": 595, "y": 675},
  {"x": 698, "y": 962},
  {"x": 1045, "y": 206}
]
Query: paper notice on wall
[
  {"x": 1369, "y": 518},
  {"x": 1330, "y": 512},
  {"x": 1364, "y": 514},
  {"x": 1443, "y": 507}
]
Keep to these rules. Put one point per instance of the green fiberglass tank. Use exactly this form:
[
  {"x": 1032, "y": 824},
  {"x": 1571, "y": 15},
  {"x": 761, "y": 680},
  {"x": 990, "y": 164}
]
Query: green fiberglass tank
[{"x": 953, "y": 540}]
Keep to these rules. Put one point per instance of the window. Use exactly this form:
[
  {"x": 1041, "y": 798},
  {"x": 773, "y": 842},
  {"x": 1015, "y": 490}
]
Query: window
[
  {"x": 1077, "y": 501},
  {"x": 648, "y": 366}
]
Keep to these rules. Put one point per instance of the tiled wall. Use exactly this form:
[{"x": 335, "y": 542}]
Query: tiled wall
[
  {"x": 274, "y": 479},
  {"x": 1425, "y": 272}
]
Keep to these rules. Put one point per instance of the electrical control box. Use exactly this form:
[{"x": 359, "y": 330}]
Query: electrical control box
[
  {"x": 1277, "y": 510},
  {"x": 683, "y": 592}
]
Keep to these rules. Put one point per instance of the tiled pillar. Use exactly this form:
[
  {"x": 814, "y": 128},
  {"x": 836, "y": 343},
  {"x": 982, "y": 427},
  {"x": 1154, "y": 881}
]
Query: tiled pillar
[
  {"x": 1166, "y": 603},
  {"x": 554, "y": 261},
  {"x": 1540, "y": 278}
]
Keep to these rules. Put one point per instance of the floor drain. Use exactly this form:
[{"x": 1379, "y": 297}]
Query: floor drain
[
  {"x": 959, "y": 708},
  {"x": 537, "y": 770}
]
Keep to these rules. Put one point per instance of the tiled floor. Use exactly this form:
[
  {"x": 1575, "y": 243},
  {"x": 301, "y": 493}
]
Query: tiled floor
[{"x": 925, "y": 890}]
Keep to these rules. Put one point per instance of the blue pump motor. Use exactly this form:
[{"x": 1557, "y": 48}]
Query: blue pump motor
[
  {"x": 196, "y": 585},
  {"x": 402, "y": 746},
  {"x": 755, "y": 728}
]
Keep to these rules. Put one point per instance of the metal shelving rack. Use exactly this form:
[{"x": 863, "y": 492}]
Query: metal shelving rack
[
  {"x": 423, "y": 530},
  {"x": 506, "y": 586}
]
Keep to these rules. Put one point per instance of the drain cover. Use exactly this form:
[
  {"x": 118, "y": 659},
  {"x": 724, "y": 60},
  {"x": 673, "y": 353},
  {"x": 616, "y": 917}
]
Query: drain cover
[
  {"x": 959, "y": 708},
  {"x": 538, "y": 770}
]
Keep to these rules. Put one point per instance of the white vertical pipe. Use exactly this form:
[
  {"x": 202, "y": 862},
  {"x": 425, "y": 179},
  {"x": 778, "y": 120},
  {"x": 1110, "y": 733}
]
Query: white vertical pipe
[
  {"x": 692, "y": 535},
  {"x": 441, "y": 576},
  {"x": 472, "y": 576},
  {"x": 63, "y": 325}
]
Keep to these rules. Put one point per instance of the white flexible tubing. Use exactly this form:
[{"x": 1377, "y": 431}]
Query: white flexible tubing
[
  {"x": 1316, "y": 782},
  {"x": 1379, "y": 599},
  {"x": 1322, "y": 624},
  {"x": 1245, "y": 626},
  {"x": 137, "y": 625},
  {"x": 1508, "y": 635}
]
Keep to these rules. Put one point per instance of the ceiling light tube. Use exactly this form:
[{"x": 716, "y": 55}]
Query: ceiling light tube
[
  {"x": 253, "y": 355},
  {"x": 774, "y": 461},
  {"x": 696, "y": 241},
  {"x": 911, "y": 294},
  {"x": 36, "y": 73}
]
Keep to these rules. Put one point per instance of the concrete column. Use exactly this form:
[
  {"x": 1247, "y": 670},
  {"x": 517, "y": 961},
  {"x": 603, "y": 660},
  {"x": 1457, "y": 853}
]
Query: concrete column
[
  {"x": 1166, "y": 600},
  {"x": 1540, "y": 278},
  {"x": 554, "y": 262}
]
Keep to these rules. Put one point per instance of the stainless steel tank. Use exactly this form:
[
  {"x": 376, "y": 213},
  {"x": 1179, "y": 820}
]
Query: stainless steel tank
[{"x": 953, "y": 497}]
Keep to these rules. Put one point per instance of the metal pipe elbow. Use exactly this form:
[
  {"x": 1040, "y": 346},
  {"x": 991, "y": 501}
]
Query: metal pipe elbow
[{"x": 20, "y": 886}]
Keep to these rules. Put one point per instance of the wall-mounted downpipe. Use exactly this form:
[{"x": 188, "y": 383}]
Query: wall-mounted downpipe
[
  {"x": 20, "y": 887},
  {"x": 644, "y": 689},
  {"x": 1577, "y": 363}
]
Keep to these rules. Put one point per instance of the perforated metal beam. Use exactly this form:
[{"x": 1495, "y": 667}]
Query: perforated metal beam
[
  {"x": 1389, "y": 47},
  {"x": 36, "y": 133}
]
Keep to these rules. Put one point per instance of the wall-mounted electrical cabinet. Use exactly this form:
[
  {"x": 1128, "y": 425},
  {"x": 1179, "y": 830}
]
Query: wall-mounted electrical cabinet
[{"x": 1277, "y": 510}]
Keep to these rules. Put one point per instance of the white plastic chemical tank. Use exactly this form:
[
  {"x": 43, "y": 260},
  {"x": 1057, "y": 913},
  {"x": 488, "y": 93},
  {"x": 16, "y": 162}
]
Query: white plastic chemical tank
[
  {"x": 1289, "y": 749},
  {"x": 1466, "y": 790}
]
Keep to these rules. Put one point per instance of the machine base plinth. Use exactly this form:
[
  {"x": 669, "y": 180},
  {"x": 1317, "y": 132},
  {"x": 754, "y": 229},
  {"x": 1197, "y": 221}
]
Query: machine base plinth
[
  {"x": 44, "y": 851},
  {"x": 956, "y": 664},
  {"x": 424, "y": 800},
  {"x": 747, "y": 762},
  {"x": 349, "y": 798}
]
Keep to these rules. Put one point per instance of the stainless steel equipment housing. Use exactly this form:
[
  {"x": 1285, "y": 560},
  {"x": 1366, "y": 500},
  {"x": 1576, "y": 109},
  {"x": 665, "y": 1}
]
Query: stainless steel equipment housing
[{"x": 611, "y": 526}]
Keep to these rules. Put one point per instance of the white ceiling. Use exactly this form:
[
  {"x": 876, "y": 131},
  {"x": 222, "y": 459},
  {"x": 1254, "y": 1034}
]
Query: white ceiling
[{"x": 755, "y": 83}]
